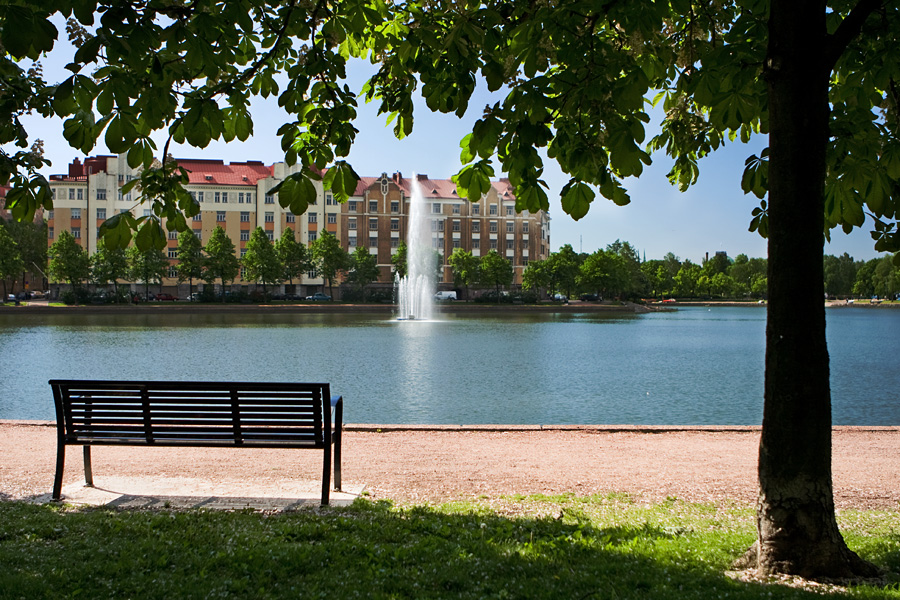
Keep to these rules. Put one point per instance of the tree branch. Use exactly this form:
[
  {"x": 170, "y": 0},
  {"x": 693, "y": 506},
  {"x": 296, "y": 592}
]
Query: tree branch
[{"x": 848, "y": 30}]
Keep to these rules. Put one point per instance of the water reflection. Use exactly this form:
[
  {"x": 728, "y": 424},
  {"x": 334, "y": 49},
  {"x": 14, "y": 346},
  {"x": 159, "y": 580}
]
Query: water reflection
[{"x": 688, "y": 367}]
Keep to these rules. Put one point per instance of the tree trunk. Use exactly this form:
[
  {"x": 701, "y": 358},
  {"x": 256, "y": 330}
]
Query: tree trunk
[{"x": 798, "y": 533}]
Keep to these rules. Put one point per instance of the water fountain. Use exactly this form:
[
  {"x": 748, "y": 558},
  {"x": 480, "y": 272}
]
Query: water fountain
[{"x": 416, "y": 289}]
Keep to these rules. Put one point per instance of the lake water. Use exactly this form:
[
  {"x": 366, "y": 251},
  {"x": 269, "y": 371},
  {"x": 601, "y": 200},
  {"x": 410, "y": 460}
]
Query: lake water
[{"x": 695, "y": 366}]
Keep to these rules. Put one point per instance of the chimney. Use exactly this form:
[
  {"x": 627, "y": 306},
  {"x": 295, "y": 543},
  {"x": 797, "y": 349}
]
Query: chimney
[
  {"x": 76, "y": 169},
  {"x": 421, "y": 177},
  {"x": 398, "y": 176}
]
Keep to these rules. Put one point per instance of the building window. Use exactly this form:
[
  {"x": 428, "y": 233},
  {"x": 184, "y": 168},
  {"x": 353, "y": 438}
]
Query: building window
[
  {"x": 510, "y": 211},
  {"x": 173, "y": 235},
  {"x": 270, "y": 199},
  {"x": 199, "y": 196},
  {"x": 332, "y": 218},
  {"x": 373, "y": 224},
  {"x": 240, "y": 197},
  {"x": 456, "y": 209},
  {"x": 245, "y": 217},
  {"x": 49, "y": 215},
  {"x": 351, "y": 205},
  {"x": 476, "y": 226},
  {"x": 249, "y": 197},
  {"x": 312, "y": 274},
  {"x": 351, "y": 241},
  {"x": 493, "y": 227},
  {"x": 50, "y": 232},
  {"x": 456, "y": 226},
  {"x": 395, "y": 242},
  {"x": 79, "y": 194},
  {"x": 218, "y": 197},
  {"x": 197, "y": 218},
  {"x": 476, "y": 244},
  {"x": 76, "y": 233},
  {"x": 436, "y": 208},
  {"x": 456, "y": 243},
  {"x": 243, "y": 254},
  {"x": 510, "y": 244},
  {"x": 225, "y": 197},
  {"x": 312, "y": 218},
  {"x": 493, "y": 209},
  {"x": 329, "y": 200},
  {"x": 71, "y": 193},
  {"x": 395, "y": 224},
  {"x": 373, "y": 241},
  {"x": 198, "y": 233},
  {"x": 290, "y": 218},
  {"x": 476, "y": 209},
  {"x": 493, "y": 244},
  {"x": 373, "y": 206},
  {"x": 351, "y": 223},
  {"x": 101, "y": 194},
  {"x": 76, "y": 213},
  {"x": 395, "y": 207},
  {"x": 101, "y": 214},
  {"x": 245, "y": 235},
  {"x": 313, "y": 235},
  {"x": 270, "y": 217},
  {"x": 271, "y": 235},
  {"x": 173, "y": 252},
  {"x": 220, "y": 215},
  {"x": 173, "y": 271},
  {"x": 524, "y": 226},
  {"x": 510, "y": 226},
  {"x": 148, "y": 212}
]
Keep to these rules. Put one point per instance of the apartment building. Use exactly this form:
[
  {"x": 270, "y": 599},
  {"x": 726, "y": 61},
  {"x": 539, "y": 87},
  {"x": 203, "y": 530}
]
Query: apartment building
[
  {"x": 235, "y": 196},
  {"x": 377, "y": 216}
]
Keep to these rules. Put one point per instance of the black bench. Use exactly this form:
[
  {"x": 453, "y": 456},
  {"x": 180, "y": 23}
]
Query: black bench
[{"x": 197, "y": 413}]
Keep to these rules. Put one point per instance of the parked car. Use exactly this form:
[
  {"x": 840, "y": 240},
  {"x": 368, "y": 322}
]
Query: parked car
[
  {"x": 319, "y": 297},
  {"x": 589, "y": 297},
  {"x": 445, "y": 296},
  {"x": 194, "y": 297},
  {"x": 560, "y": 298},
  {"x": 166, "y": 298}
]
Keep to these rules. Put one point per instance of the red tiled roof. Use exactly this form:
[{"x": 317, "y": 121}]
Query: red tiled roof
[
  {"x": 433, "y": 188},
  {"x": 216, "y": 172}
]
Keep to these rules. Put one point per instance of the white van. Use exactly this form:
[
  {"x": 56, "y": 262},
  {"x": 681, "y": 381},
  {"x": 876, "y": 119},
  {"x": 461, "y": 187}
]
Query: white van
[{"x": 445, "y": 296}]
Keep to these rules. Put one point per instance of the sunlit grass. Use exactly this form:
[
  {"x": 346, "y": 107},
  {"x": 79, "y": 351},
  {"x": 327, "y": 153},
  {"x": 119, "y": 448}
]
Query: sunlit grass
[{"x": 514, "y": 547}]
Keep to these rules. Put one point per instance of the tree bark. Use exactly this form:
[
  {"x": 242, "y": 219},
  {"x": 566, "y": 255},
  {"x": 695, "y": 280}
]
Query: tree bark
[{"x": 798, "y": 533}]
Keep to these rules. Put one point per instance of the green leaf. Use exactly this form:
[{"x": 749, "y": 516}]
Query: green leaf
[
  {"x": 576, "y": 199},
  {"x": 474, "y": 181},
  {"x": 116, "y": 231},
  {"x": 150, "y": 236}
]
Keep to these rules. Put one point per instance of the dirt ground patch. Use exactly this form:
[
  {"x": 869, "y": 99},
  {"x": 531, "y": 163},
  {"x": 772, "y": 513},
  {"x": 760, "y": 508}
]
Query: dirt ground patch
[{"x": 704, "y": 464}]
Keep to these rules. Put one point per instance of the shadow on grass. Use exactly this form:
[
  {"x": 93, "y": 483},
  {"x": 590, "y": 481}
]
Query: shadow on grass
[{"x": 368, "y": 550}]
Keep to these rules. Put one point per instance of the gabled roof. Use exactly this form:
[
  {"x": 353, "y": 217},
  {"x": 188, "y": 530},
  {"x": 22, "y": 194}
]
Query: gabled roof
[
  {"x": 431, "y": 188},
  {"x": 216, "y": 172}
]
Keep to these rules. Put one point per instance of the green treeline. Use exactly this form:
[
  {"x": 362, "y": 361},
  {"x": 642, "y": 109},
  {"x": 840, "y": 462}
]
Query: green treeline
[{"x": 618, "y": 272}]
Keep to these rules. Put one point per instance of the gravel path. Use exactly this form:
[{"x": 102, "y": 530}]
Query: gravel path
[{"x": 705, "y": 464}]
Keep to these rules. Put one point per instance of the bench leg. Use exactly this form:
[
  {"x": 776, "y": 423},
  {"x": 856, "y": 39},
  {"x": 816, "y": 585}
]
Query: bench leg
[
  {"x": 326, "y": 476},
  {"x": 337, "y": 460},
  {"x": 88, "y": 473},
  {"x": 60, "y": 465}
]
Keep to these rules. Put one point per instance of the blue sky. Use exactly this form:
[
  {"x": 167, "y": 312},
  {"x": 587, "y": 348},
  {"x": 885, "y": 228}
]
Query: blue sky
[{"x": 713, "y": 215}]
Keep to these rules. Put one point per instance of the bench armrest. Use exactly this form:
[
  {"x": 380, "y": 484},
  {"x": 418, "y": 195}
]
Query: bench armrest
[{"x": 337, "y": 411}]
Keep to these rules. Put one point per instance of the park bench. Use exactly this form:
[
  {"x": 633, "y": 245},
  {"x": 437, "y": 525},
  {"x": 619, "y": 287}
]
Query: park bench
[{"x": 203, "y": 414}]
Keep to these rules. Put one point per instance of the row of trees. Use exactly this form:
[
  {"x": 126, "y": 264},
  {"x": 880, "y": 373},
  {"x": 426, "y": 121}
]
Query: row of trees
[
  {"x": 846, "y": 277},
  {"x": 23, "y": 250},
  {"x": 617, "y": 271},
  {"x": 265, "y": 262}
]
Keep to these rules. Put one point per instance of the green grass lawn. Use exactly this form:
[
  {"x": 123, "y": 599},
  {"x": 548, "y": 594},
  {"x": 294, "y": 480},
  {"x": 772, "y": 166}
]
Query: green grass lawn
[{"x": 523, "y": 547}]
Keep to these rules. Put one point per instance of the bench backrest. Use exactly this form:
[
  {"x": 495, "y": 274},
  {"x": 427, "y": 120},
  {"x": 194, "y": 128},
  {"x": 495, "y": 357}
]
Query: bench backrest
[{"x": 194, "y": 413}]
